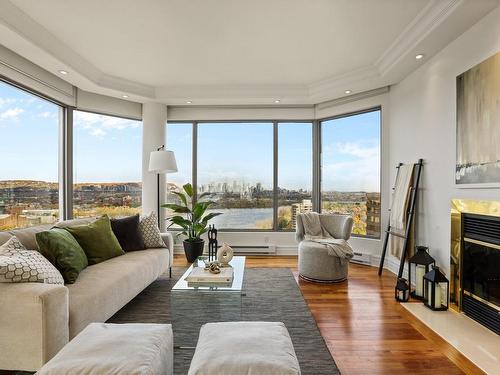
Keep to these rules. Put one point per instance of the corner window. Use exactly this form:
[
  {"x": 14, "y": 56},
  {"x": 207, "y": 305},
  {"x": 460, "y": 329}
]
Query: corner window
[
  {"x": 107, "y": 165},
  {"x": 29, "y": 183},
  {"x": 350, "y": 169}
]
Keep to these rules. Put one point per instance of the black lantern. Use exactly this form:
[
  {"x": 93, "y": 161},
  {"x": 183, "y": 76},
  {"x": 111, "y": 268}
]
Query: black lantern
[
  {"x": 418, "y": 265},
  {"x": 436, "y": 290},
  {"x": 402, "y": 290}
]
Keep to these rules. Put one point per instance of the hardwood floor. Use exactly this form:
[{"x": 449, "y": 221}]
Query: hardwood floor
[{"x": 366, "y": 330}]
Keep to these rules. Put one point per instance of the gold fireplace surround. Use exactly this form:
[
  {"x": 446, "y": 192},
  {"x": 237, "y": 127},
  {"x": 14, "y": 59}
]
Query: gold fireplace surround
[{"x": 459, "y": 206}]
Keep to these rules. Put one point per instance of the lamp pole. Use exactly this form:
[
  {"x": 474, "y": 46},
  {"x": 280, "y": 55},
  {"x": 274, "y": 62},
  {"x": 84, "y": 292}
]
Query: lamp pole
[{"x": 161, "y": 148}]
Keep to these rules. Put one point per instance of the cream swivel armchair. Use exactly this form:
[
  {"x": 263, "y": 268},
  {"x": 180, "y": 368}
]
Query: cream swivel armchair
[{"x": 315, "y": 261}]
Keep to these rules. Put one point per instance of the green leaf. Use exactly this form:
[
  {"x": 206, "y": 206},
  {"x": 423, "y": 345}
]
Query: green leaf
[
  {"x": 180, "y": 221},
  {"x": 188, "y": 188},
  {"x": 182, "y": 197},
  {"x": 203, "y": 195},
  {"x": 177, "y": 208},
  {"x": 198, "y": 211},
  {"x": 210, "y": 216}
]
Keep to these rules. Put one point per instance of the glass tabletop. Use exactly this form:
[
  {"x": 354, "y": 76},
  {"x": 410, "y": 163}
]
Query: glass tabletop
[{"x": 238, "y": 264}]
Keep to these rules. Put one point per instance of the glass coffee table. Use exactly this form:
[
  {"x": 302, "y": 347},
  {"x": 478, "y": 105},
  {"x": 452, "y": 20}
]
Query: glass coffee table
[{"x": 191, "y": 307}]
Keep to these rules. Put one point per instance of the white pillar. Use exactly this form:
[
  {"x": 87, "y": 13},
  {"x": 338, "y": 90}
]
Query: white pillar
[{"x": 154, "y": 119}]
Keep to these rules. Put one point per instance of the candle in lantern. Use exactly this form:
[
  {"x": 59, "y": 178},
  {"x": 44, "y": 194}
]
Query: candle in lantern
[
  {"x": 419, "y": 280},
  {"x": 437, "y": 296}
]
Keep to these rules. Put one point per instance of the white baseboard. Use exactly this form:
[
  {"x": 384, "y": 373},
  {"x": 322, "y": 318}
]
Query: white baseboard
[
  {"x": 280, "y": 250},
  {"x": 391, "y": 263}
]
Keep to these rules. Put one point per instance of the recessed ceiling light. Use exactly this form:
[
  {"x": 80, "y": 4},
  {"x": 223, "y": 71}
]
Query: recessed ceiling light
[
  {"x": 419, "y": 56},
  {"x": 347, "y": 91},
  {"x": 63, "y": 72},
  {"x": 189, "y": 102},
  {"x": 125, "y": 96},
  {"x": 277, "y": 101}
]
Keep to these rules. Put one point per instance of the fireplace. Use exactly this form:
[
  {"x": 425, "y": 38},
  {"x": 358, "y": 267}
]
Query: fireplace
[{"x": 475, "y": 261}]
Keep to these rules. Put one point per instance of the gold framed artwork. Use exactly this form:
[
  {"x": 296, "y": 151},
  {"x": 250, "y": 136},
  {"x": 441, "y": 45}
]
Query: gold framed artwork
[{"x": 478, "y": 125}]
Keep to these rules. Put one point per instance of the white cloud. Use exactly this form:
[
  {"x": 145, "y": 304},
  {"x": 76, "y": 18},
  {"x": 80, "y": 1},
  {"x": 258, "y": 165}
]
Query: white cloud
[
  {"x": 99, "y": 125},
  {"x": 11, "y": 113},
  {"x": 358, "y": 150},
  {"x": 98, "y": 133},
  {"x": 5, "y": 101},
  {"x": 358, "y": 169},
  {"x": 46, "y": 114}
]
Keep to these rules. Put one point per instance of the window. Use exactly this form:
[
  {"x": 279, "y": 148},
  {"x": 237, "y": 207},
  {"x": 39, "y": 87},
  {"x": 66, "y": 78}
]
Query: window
[
  {"x": 29, "y": 190},
  {"x": 235, "y": 162},
  {"x": 350, "y": 174},
  {"x": 107, "y": 165},
  {"x": 180, "y": 141},
  {"x": 294, "y": 172}
]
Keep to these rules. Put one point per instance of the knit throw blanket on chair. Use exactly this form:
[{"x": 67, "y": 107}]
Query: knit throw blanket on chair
[{"x": 314, "y": 231}]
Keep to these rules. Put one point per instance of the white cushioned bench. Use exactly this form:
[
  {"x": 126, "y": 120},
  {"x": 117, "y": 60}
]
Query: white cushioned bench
[
  {"x": 102, "y": 349},
  {"x": 233, "y": 348}
]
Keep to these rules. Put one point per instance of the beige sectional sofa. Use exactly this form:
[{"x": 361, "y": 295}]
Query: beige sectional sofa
[{"x": 37, "y": 320}]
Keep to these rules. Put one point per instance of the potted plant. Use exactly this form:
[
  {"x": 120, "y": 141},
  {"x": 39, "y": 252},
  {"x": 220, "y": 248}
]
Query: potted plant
[{"x": 192, "y": 220}]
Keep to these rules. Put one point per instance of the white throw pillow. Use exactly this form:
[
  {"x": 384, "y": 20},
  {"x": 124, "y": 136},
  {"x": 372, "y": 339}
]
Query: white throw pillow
[
  {"x": 19, "y": 265},
  {"x": 150, "y": 231}
]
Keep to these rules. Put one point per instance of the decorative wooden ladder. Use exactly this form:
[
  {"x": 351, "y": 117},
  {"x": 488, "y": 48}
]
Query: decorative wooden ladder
[{"x": 410, "y": 214}]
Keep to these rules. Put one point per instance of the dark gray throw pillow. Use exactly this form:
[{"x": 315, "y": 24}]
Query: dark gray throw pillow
[{"x": 128, "y": 233}]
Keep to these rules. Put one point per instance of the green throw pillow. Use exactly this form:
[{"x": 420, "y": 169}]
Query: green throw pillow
[
  {"x": 63, "y": 251},
  {"x": 97, "y": 240}
]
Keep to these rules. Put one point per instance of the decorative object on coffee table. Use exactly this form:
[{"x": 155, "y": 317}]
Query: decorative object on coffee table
[
  {"x": 402, "y": 290},
  {"x": 225, "y": 254},
  {"x": 213, "y": 267},
  {"x": 192, "y": 220},
  {"x": 436, "y": 290},
  {"x": 212, "y": 242},
  {"x": 418, "y": 266}
]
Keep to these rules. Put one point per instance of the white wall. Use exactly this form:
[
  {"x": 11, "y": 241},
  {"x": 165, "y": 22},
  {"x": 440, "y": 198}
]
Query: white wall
[
  {"x": 154, "y": 119},
  {"x": 422, "y": 125}
]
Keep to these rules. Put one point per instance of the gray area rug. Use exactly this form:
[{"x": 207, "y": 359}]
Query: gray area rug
[{"x": 271, "y": 295}]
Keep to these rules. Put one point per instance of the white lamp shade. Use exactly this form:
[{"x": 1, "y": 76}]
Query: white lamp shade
[{"x": 162, "y": 161}]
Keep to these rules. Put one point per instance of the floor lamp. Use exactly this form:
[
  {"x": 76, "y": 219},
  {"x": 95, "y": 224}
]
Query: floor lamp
[{"x": 161, "y": 161}]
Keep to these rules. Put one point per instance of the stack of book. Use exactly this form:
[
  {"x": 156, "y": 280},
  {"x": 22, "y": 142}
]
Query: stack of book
[{"x": 199, "y": 277}]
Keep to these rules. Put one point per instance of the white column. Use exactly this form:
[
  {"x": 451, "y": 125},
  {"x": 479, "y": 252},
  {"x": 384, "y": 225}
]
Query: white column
[{"x": 154, "y": 119}]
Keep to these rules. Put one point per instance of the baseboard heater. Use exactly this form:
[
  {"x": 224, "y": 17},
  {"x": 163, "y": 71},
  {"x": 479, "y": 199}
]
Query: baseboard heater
[
  {"x": 254, "y": 249},
  {"x": 361, "y": 258}
]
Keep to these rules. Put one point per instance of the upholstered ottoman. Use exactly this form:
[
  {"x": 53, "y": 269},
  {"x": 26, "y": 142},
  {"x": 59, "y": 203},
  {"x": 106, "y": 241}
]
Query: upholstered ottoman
[
  {"x": 234, "y": 348},
  {"x": 315, "y": 264},
  {"x": 125, "y": 349}
]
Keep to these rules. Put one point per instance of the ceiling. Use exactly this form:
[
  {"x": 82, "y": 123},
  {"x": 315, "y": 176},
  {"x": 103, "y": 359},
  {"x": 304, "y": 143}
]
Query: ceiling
[{"x": 233, "y": 51}]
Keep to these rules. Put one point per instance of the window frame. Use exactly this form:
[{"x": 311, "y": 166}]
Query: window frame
[
  {"x": 68, "y": 161},
  {"x": 344, "y": 115},
  {"x": 275, "y": 125},
  {"x": 65, "y": 122},
  {"x": 316, "y": 161}
]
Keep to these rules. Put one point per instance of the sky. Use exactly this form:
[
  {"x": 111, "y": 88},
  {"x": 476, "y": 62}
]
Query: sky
[{"x": 108, "y": 149}]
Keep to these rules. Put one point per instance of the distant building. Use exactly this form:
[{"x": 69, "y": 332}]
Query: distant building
[
  {"x": 373, "y": 214},
  {"x": 300, "y": 208}
]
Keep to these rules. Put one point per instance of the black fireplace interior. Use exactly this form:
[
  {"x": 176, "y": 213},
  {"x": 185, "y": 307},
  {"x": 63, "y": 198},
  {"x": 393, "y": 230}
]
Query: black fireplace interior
[{"x": 481, "y": 269}]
